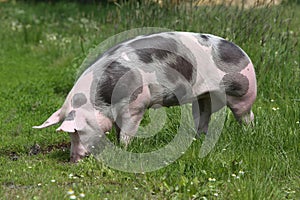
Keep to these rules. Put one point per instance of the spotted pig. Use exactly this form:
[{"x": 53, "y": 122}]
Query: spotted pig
[{"x": 150, "y": 71}]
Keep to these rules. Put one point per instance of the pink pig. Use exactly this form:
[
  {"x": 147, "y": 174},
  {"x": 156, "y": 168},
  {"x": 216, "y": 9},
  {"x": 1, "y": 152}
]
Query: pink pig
[{"x": 149, "y": 71}]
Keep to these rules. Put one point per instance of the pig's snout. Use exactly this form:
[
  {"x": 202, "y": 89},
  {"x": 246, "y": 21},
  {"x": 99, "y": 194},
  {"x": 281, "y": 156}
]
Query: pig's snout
[{"x": 78, "y": 151}]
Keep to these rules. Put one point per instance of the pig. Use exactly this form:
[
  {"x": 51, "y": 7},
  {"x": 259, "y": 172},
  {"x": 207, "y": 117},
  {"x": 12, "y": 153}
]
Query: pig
[{"x": 151, "y": 71}]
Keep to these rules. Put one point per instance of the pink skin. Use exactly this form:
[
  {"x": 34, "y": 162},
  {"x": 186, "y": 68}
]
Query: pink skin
[
  {"x": 132, "y": 115},
  {"x": 241, "y": 106},
  {"x": 104, "y": 122},
  {"x": 78, "y": 151}
]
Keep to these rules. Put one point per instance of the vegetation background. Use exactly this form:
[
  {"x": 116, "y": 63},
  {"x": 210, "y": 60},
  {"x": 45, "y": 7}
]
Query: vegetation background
[{"x": 42, "y": 46}]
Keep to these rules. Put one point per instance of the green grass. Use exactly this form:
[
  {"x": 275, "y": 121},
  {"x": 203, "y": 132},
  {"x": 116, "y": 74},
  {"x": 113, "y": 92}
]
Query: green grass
[{"x": 42, "y": 46}]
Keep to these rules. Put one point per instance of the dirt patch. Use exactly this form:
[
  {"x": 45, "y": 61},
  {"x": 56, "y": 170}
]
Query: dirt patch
[{"x": 37, "y": 149}]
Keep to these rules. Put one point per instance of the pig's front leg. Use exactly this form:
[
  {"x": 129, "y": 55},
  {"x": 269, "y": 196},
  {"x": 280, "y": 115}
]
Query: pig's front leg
[
  {"x": 131, "y": 115},
  {"x": 78, "y": 151},
  {"x": 127, "y": 125},
  {"x": 201, "y": 109}
]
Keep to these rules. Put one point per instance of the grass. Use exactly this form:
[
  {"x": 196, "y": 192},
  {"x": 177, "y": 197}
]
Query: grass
[{"x": 42, "y": 46}]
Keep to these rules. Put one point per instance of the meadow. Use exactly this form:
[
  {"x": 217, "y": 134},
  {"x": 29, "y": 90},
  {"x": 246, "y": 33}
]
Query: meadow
[{"x": 42, "y": 46}]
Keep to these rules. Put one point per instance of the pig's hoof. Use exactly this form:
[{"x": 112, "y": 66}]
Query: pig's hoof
[
  {"x": 125, "y": 140},
  {"x": 75, "y": 158},
  {"x": 199, "y": 134}
]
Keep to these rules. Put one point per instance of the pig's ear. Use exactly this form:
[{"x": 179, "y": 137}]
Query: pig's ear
[
  {"x": 67, "y": 126},
  {"x": 74, "y": 121},
  {"x": 54, "y": 119}
]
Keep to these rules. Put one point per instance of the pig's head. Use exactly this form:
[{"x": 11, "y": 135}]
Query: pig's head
[{"x": 79, "y": 118}]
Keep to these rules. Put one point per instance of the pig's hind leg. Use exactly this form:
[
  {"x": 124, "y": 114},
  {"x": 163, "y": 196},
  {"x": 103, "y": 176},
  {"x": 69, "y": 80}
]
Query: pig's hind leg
[{"x": 241, "y": 109}]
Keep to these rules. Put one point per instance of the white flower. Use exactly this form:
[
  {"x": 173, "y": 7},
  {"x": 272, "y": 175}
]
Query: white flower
[
  {"x": 53, "y": 181},
  {"x": 82, "y": 195},
  {"x": 72, "y": 196},
  {"x": 70, "y": 191},
  {"x": 51, "y": 37},
  {"x": 212, "y": 179}
]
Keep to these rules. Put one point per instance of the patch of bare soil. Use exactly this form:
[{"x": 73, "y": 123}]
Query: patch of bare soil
[{"x": 37, "y": 149}]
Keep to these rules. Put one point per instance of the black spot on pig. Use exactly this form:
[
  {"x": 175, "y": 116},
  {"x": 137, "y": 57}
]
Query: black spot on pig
[
  {"x": 147, "y": 55},
  {"x": 183, "y": 67},
  {"x": 118, "y": 82},
  {"x": 204, "y": 37},
  {"x": 78, "y": 100},
  {"x": 71, "y": 116},
  {"x": 155, "y": 42},
  {"x": 235, "y": 84},
  {"x": 229, "y": 52},
  {"x": 229, "y": 57},
  {"x": 135, "y": 93}
]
